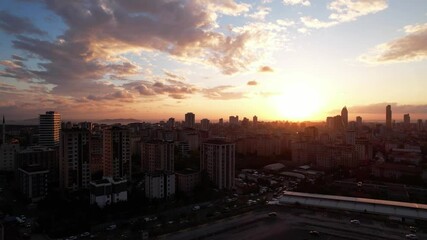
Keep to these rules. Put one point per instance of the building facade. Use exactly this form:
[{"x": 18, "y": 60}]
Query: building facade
[
  {"x": 49, "y": 129},
  {"x": 217, "y": 159},
  {"x": 117, "y": 156}
]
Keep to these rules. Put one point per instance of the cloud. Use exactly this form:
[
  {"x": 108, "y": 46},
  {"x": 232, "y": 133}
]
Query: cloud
[
  {"x": 285, "y": 22},
  {"x": 17, "y": 25},
  {"x": 379, "y": 108},
  {"x": 316, "y": 23},
  {"x": 412, "y": 47},
  {"x": 252, "y": 83},
  {"x": 221, "y": 93},
  {"x": 265, "y": 69},
  {"x": 123, "y": 96},
  {"x": 345, "y": 11},
  {"x": 297, "y": 2},
  {"x": 260, "y": 14},
  {"x": 171, "y": 88},
  {"x": 350, "y": 10}
]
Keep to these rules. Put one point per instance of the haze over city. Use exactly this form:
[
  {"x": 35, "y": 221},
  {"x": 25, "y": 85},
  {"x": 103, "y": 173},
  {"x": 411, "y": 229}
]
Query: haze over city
[{"x": 150, "y": 60}]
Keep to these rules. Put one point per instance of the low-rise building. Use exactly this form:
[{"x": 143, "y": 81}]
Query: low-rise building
[
  {"x": 159, "y": 185},
  {"x": 108, "y": 191}
]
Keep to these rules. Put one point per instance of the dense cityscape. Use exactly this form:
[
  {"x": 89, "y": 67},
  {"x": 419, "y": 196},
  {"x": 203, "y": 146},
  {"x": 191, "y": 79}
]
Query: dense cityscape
[
  {"x": 213, "y": 119},
  {"x": 138, "y": 180}
]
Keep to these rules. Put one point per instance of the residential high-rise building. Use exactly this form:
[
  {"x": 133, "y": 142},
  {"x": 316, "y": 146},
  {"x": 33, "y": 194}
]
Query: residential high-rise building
[
  {"x": 170, "y": 124},
  {"x": 420, "y": 125},
  {"x": 190, "y": 120},
  {"x": 116, "y": 148},
  {"x": 74, "y": 159},
  {"x": 4, "y": 132},
  {"x": 406, "y": 120},
  {"x": 204, "y": 124},
  {"x": 388, "y": 117},
  {"x": 45, "y": 157},
  {"x": 33, "y": 182},
  {"x": 344, "y": 117},
  {"x": 49, "y": 129},
  {"x": 157, "y": 155},
  {"x": 217, "y": 158},
  {"x": 255, "y": 120},
  {"x": 358, "y": 121}
]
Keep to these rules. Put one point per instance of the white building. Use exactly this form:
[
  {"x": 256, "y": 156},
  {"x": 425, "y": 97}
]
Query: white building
[
  {"x": 107, "y": 191},
  {"x": 159, "y": 185},
  {"x": 49, "y": 129},
  {"x": 217, "y": 158}
]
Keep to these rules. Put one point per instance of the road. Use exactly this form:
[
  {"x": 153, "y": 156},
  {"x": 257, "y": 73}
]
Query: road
[{"x": 292, "y": 224}]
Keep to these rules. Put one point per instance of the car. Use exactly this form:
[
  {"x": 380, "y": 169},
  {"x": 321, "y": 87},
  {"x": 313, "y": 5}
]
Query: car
[
  {"x": 272, "y": 214},
  {"x": 85, "y": 234},
  {"x": 412, "y": 229},
  {"x": 411, "y": 236},
  {"x": 195, "y": 208},
  {"x": 112, "y": 227},
  {"x": 314, "y": 233},
  {"x": 355, "y": 221}
]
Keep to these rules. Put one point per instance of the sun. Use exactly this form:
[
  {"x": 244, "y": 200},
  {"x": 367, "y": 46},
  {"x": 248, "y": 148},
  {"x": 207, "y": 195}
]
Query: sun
[{"x": 298, "y": 102}]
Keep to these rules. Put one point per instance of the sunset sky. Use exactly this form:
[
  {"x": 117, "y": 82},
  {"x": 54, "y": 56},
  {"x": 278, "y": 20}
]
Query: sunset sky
[{"x": 154, "y": 59}]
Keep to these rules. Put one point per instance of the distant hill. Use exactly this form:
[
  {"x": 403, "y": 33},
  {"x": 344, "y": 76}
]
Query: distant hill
[
  {"x": 31, "y": 121},
  {"x": 118, "y": 120}
]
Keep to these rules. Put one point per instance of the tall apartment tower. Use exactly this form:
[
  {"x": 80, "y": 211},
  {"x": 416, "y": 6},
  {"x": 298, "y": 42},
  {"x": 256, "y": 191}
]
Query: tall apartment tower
[
  {"x": 255, "y": 120},
  {"x": 217, "y": 158},
  {"x": 204, "y": 124},
  {"x": 74, "y": 159},
  {"x": 49, "y": 129},
  {"x": 116, "y": 149},
  {"x": 344, "y": 117},
  {"x": 388, "y": 117},
  {"x": 4, "y": 132},
  {"x": 406, "y": 120},
  {"x": 157, "y": 155},
  {"x": 190, "y": 119}
]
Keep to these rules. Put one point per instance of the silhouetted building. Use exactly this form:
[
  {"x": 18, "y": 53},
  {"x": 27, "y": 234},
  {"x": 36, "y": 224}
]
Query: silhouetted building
[
  {"x": 344, "y": 116},
  {"x": 8, "y": 153},
  {"x": 359, "y": 121},
  {"x": 49, "y": 129},
  {"x": 45, "y": 157},
  {"x": 388, "y": 116},
  {"x": 217, "y": 158},
  {"x": 157, "y": 155},
  {"x": 74, "y": 159},
  {"x": 255, "y": 120},
  {"x": 187, "y": 180},
  {"x": 204, "y": 124},
  {"x": 190, "y": 120},
  {"x": 406, "y": 120},
  {"x": 33, "y": 182},
  {"x": 116, "y": 148}
]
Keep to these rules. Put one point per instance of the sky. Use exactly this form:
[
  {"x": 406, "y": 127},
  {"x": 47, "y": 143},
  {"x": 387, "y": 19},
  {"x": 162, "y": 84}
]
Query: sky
[{"x": 150, "y": 60}]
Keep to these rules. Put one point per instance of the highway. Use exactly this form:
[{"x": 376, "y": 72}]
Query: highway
[{"x": 291, "y": 223}]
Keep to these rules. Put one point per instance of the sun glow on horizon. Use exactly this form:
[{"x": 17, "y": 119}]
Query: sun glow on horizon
[{"x": 299, "y": 102}]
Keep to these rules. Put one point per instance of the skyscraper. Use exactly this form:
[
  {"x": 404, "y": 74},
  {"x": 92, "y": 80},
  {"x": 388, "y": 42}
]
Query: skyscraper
[
  {"x": 190, "y": 120},
  {"x": 255, "y": 120},
  {"x": 388, "y": 117},
  {"x": 49, "y": 129},
  {"x": 116, "y": 148},
  {"x": 74, "y": 159},
  {"x": 217, "y": 158},
  {"x": 344, "y": 117}
]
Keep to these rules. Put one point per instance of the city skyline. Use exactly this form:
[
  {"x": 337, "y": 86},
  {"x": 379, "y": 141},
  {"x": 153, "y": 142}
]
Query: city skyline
[{"x": 276, "y": 59}]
